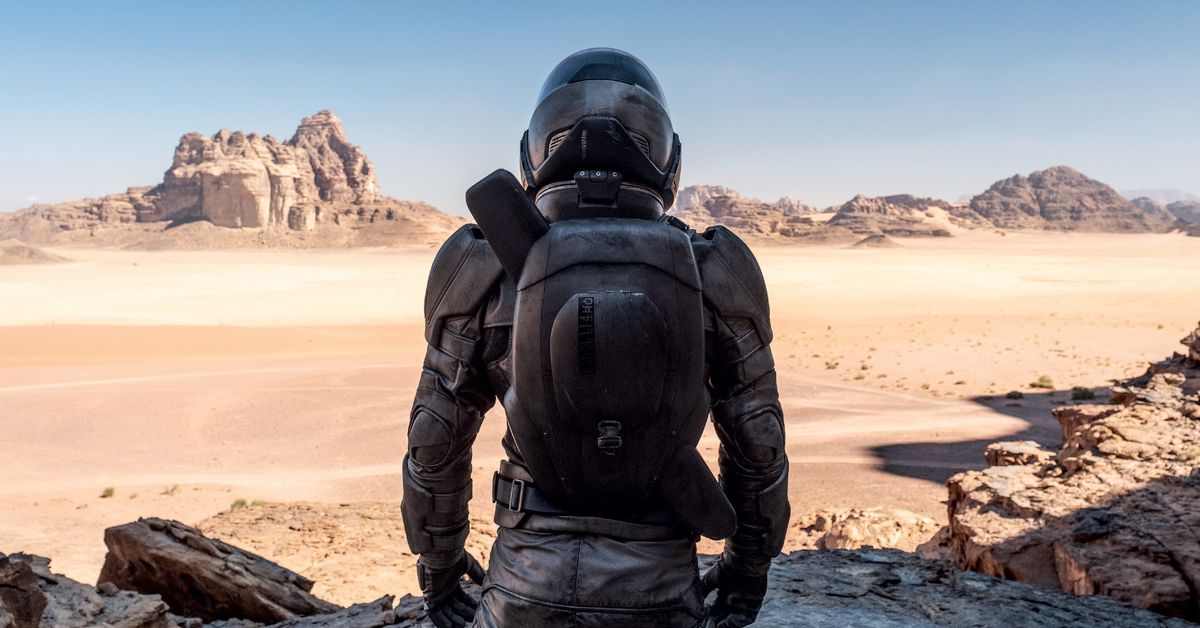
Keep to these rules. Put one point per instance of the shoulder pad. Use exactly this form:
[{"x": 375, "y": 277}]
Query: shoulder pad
[
  {"x": 462, "y": 275},
  {"x": 732, "y": 281}
]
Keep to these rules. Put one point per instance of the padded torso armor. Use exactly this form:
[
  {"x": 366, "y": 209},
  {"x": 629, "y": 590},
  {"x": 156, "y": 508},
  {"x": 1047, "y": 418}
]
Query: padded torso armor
[{"x": 556, "y": 419}]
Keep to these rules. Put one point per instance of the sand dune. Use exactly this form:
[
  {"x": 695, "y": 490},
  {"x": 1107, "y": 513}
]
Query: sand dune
[
  {"x": 15, "y": 252},
  {"x": 186, "y": 380}
]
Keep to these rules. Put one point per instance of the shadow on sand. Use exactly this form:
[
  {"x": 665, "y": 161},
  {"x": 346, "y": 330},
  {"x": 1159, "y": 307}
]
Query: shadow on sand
[{"x": 1034, "y": 409}]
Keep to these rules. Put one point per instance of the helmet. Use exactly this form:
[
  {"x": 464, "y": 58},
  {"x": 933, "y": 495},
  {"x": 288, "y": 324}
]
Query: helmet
[{"x": 601, "y": 130}]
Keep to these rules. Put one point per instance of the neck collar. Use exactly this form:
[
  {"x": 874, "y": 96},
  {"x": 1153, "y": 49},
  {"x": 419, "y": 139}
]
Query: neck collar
[{"x": 561, "y": 201}]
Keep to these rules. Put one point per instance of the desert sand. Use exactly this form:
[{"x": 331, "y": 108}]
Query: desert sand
[{"x": 185, "y": 380}]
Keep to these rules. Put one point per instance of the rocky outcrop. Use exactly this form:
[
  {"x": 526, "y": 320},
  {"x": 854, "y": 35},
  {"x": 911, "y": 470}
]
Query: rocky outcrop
[
  {"x": 1021, "y": 452},
  {"x": 353, "y": 551},
  {"x": 706, "y": 205},
  {"x": 239, "y": 180},
  {"x": 1112, "y": 511},
  {"x": 1063, "y": 199},
  {"x": 40, "y": 223},
  {"x": 202, "y": 577},
  {"x": 862, "y": 528},
  {"x": 30, "y": 595},
  {"x": 900, "y": 215},
  {"x": 233, "y": 179},
  {"x": 819, "y": 588},
  {"x": 697, "y": 197},
  {"x": 21, "y": 599},
  {"x": 1186, "y": 211},
  {"x": 1147, "y": 204}
]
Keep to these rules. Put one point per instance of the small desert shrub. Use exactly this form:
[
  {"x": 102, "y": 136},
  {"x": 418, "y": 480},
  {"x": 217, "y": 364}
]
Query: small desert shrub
[
  {"x": 170, "y": 491},
  {"x": 237, "y": 504},
  {"x": 107, "y": 492},
  {"x": 1079, "y": 393},
  {"x": 1015, "y": 394},
  {"x": 258, "y": 503},
  {"x": 1043, "y": 382},
  {"x": 831, "y": 365}
]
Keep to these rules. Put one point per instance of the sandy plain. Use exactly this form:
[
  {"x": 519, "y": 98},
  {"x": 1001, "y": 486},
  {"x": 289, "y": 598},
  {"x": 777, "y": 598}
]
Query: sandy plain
[{"x": 187, "y": 380}]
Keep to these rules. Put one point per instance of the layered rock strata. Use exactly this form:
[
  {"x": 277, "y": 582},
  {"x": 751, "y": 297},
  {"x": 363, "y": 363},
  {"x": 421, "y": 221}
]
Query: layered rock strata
[
  {"x": 1063, "y": 199},
  {"x": 900, "y": 215},
  {"x": 1114, "y": 510},
  {"x": 707, "y": 205}
]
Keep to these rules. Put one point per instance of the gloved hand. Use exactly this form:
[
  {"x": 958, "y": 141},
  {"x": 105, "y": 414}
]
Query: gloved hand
[
  {"x": 446, "y": 604},
  {"x": 739, "y": 595}
]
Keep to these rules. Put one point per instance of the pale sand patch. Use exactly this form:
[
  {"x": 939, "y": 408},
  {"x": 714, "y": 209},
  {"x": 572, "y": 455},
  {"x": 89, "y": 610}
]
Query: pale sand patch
[{"x": 287, "y": 375}]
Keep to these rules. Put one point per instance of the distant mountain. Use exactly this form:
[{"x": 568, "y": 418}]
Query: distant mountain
[
  {"x": 1187, "y": 211},
  {"x": 1147, "y": 204},
  {"x": 1063, "y": 199},
  {"x": 1162, "y": 196}
]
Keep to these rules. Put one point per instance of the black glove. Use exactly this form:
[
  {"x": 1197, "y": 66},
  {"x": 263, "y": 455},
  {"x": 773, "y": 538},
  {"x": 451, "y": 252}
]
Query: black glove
[
  {"x": 446, "y": 604},
  {"x": 739, "y": 595}
]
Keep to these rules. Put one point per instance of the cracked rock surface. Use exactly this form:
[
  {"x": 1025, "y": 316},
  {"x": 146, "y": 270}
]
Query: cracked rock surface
[{"x": 1115, "y": 510}]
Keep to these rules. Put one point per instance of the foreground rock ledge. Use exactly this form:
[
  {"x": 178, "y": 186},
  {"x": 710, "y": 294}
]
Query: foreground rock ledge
[
  {"x": 808, "y": 587},
  {"x": 202, "y": 577},
  {"x": 1115, "y": 510},
  {"x": 890, "y": 588}
]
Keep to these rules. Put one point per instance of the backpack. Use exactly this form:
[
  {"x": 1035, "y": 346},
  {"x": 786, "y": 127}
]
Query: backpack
[{"x": 608, "y": 399}]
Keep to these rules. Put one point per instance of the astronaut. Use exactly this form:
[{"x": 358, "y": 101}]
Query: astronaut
[{"x": 611, "y": 332}]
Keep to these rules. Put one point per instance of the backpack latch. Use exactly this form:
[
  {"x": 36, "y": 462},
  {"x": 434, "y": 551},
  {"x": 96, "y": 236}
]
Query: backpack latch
[{"x": 610, "y": 436}]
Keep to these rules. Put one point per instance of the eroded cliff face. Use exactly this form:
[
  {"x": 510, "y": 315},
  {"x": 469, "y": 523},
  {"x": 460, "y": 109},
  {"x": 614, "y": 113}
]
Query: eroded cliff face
[
  {"x": 237, "y": 180},
  {"x": 702, "y": 206},
  {"x": 903, "y": 215},
  {"x": 1115, "y": 510}
]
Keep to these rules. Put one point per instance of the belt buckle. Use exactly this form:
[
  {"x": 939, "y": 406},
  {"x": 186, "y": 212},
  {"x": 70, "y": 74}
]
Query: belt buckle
[{"x": 516, "y": 496}]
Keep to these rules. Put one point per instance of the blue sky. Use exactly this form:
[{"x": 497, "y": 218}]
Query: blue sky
[{"x": 817, "y": 100}]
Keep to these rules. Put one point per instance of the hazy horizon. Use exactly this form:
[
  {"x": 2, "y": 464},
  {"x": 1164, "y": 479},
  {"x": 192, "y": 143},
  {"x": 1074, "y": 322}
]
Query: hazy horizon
[{"x": 813, "y": 101}]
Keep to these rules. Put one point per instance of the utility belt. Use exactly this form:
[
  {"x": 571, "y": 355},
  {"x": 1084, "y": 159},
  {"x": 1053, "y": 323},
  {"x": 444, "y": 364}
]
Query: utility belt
[{"x": 521, "y": 504}]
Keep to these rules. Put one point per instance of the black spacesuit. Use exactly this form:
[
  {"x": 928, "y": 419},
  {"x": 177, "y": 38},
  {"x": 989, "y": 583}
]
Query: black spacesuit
[{"x": 610, "y": 332}]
